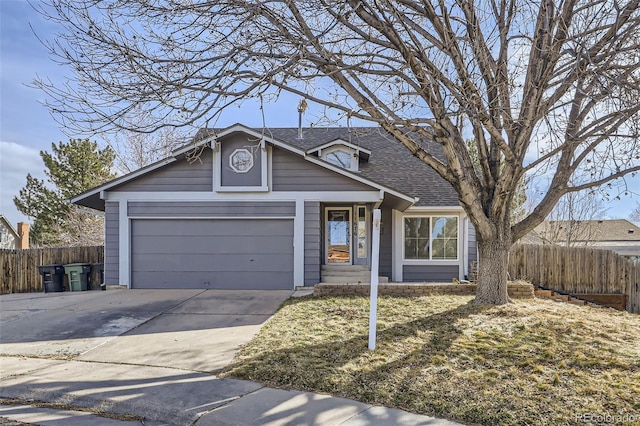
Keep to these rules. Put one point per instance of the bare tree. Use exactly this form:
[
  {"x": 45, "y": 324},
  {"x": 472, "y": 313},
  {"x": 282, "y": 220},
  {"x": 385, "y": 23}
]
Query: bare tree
[
  {"x": 135, "y": 150},
  {"x": 635, "y": 214},
  {"x": 574, "y": 220},
  {"x": 81, "y": 228},
  {"x": 543, "y": 86}
]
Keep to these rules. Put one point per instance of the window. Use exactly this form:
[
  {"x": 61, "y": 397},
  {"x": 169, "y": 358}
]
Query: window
[
  {"x": 362, "y": 232},
  {"x": 241, "y": 160},
  {"x": 431, "y": 238},
  {"x": 339, "y": 158}
]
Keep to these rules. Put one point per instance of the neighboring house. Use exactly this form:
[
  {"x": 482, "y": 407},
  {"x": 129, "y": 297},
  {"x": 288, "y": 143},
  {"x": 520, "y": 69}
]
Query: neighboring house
[
  {"x": 12, "y": 239},
  {"x": 618, "y": 235},
  {"x": 9, "y": 238},
  {"x": 276, "y": 211}
]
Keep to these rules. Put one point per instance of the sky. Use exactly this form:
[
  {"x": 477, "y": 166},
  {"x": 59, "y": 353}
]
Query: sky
[{"x": 26, "y": 127}]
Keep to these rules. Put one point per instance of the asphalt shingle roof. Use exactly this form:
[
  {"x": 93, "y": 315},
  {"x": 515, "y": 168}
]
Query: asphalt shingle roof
[
  {"x": 592, "y": 230},
  {"x": 390, "y": 163}
]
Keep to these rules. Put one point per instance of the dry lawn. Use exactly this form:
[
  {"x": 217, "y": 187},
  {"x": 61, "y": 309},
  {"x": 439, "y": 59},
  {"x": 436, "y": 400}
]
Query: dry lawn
[{"x": 530, "y": 363}]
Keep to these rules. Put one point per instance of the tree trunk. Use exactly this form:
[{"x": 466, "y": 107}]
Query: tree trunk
[{"x": 493, "y": 264}]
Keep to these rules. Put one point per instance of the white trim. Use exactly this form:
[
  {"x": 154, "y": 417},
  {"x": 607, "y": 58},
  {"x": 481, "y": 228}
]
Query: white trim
[
  {"x": 264, "y": 165},
  {"x": 244, "y": 129},
  {"x": 191, "y": 147},
  {"x": 360, "y": 179},
  {"x": 349, "y": 237},
  {"x": 236, "y": 152},
  {"x": 298, "y": 245},
  {"x": 298, "y": 223},
  {"x": 264, "y": 139},
  {"x": 428, "y": 209},
  {"x": 396, "y": 243},
  {"x": 268, "y": 171},
  {"x": 124, "y": 246},
  {"x": 213, "y": 217},
  {"x": 322, "y": 196},
  {"x": 353, "y": 156},
  {"x": 432, "y": 261},
  {"x": 264, "y": 172},
  {"x": 242, "y": 189},
  {"x": 398, "y": 261},
  {"x": 342, "y": 142},
  {"x": 422, "y": 262},
  {"x": 217, "y": 169},
  {"x": 465, "y": 248},
  {"x": 367, "y": 226},
  {"x": 122, "y": 179}
]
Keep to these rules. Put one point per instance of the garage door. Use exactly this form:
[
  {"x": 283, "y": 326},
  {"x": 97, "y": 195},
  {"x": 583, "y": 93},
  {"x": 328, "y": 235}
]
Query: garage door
[{"x": 212, "y": 253}]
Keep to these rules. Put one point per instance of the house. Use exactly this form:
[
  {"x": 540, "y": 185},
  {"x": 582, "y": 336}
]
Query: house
[
  {"x": 279, "y": 208},
  {"x": 618, "y": 235},
  {"x": 12, "y": 239}
]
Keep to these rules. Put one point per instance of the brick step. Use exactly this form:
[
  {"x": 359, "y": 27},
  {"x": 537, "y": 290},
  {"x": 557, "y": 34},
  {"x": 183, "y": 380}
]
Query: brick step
[
  {"x": 334, "y": 273},
  {"x": 578, "y": 302},
  {"x": 543, "y": 293},
  {"x": 351, "y": 280}
]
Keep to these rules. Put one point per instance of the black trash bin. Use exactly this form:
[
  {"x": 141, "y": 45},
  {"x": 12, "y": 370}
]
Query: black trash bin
[
  {"x": 99, "y": 267},
  {"x": 52, "y": 277}
]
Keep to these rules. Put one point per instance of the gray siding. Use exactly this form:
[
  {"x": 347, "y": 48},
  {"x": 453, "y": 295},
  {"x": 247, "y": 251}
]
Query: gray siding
[
  {"x": 228, "y": 176},
  {"x": 429, "y": 273},
  {"x": 386, "y": 238},
  {"x": 292, "y": 173},
  {"x": 312, "y": 243},
  {"x": 111, "y": 243},
  {"x": 211, "y": 209},
  {"x": 221, "y": 254},
  {"x": 177, "y": 176},
  {"x": 473, "y": 245}
]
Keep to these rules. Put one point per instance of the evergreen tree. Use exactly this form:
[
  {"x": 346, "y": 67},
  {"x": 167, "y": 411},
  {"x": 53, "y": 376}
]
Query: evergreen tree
[{"x": 71, "y": 168}]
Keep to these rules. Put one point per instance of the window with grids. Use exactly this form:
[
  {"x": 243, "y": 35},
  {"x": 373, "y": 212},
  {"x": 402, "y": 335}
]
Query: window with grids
[{"x": 431, "y": 238}]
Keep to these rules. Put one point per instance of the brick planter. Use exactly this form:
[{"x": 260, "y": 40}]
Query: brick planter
[{"x": 516, "y": 291}]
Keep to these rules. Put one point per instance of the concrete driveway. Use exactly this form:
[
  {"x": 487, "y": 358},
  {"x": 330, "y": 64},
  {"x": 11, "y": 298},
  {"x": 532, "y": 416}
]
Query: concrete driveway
[
  {"x": 196, "y": 330},
  {"x": 147, "y": 357}
]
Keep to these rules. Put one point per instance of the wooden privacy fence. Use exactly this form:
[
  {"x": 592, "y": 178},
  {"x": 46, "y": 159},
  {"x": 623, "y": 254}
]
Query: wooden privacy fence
[
  {"x": 19, "y": 268},
  {"x": 576, "y": 270}
]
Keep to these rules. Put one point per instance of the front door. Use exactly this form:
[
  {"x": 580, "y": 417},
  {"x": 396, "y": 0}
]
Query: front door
[{"x": 338, "y": 234}]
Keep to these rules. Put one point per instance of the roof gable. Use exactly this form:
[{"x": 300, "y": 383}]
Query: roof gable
[
  {"x": 207, "y": 137},
  {"x": 7, "y": 225}
]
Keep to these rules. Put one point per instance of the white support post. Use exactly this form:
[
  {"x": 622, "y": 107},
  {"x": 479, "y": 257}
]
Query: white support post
[{"x": 375, "y": 261}]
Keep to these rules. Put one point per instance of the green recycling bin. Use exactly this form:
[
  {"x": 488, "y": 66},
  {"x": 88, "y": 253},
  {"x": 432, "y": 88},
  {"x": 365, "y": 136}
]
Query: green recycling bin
[{"x": 78, "y": 275}]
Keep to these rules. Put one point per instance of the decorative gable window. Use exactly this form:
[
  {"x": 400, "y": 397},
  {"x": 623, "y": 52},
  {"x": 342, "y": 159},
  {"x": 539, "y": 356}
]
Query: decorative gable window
[
  {"x": 241, "y": 161},
  {"x": 340, "y": 158},
  {"x": 431, "y": 238},
  {"x": 342, "y": 154},
  {"x": 240, "y": 164}
]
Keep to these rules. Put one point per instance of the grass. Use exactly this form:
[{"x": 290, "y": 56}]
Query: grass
[{"x": 530, "y": 363}]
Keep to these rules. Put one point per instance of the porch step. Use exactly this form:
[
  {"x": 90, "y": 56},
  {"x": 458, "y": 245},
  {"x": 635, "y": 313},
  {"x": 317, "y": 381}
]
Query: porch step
[
  {"x": 334, "y": 273},
  {"x": 344, "y": 268},
  {"x": 352, "y": 280}
]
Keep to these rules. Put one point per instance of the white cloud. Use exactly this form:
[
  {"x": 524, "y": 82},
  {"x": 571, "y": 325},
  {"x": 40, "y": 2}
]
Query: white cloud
[{"x": 16, "y": 161}]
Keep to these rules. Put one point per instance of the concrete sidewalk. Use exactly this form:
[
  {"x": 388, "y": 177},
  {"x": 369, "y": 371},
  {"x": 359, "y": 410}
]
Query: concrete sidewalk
[{"x": 167, "y": 396}]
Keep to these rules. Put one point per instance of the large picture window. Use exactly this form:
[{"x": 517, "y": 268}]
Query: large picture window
[{"x": 431, "y": 238}]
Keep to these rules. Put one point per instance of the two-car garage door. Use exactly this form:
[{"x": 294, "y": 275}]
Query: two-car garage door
[{"x": 212, "y": 253}]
